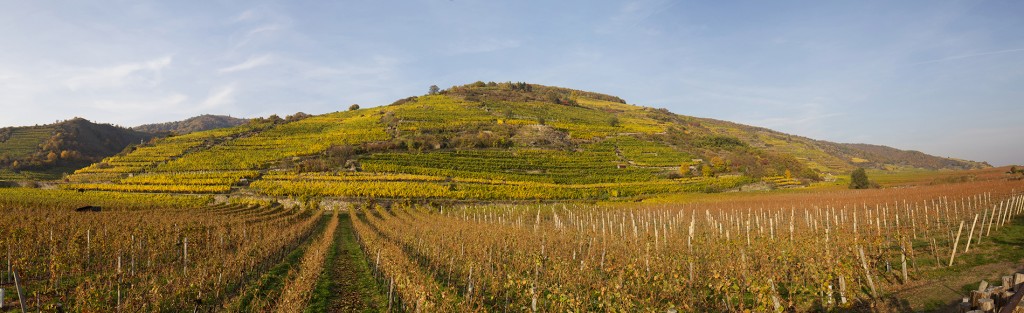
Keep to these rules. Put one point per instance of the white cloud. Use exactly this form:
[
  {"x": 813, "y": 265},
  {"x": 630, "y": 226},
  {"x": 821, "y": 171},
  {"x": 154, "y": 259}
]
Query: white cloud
[
  {"x": 219, "y": 97},
  {"x": 263, "y": 29},
  {"x": 246, "y": 15},
  {"x": 137, "y": 105},
  {"x": 376, "y": 69},
  {"x": 258, "y": 32},
  {"x": 252, "y": 62},
  {"x": 119, "y": 75}
]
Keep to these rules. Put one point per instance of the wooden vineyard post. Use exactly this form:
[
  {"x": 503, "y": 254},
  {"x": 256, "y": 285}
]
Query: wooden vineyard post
[
  {"x": 184, "y": 257},
  {"x": 775, "y": 296},
  {"x": 981, "y": 230},
  {"x": 391, "y": 290},
  {"x": 970, "y": 235},
  {"x": 867, "y": 272},
  {"x": 1002, "y": 214},
  {"x": 855, "y": 226},
  {"x": 1010, "y": 207},
  {"x": 903, "y": 260},
  {"x": 119, "y": 283},
  {"x": 955, "y": 242},
  {"x": 991, "y": 219},
  {"x": 842, "y": 290},
  {"x": 913, "y": 221},
  {"x": 913, "y": 255},
  {"x": 935, "y": 252},
  {"x": 17, "y": 287}
]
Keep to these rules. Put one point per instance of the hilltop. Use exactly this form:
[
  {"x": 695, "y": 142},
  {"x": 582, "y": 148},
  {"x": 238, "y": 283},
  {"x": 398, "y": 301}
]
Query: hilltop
[
  {"x": 191, "y": 125},
  {"x": 44, "y": 151},
  {"x": 489, "y": 141}
]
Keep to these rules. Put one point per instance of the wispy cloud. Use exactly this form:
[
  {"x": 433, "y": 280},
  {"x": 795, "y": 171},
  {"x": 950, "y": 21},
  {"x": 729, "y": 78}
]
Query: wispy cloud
[
  {"x": 119, "y": 75},
  {"x": 376, "y": 68},
  {"x": 137, "y": 106},
  {"x": 246, "y": 15},
  {"x": 260, "y": 31},
  {"x": 222, "y": 96},
  {"x": 971, "y": 55},
  {"x": 261, "y": 22},
  {"x": 632, "y": 14},
  {"x": 252, "y": 62}
]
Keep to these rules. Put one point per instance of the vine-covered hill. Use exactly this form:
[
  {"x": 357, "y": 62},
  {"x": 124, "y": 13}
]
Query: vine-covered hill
[
  {"x": 191, "y": 125},
  {"x": 43, "y": 151},
  {"x": 487, "y": 141}
]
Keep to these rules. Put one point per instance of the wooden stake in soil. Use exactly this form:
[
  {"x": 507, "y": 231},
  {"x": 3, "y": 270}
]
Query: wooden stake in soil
[
  {"x": 991, "y": 219},
  {"x": 184, "y": 257},
  {"x": 17, "y": 286},
  {"x": 842, "y": 290},
  {"x": 955, "y": 242},
  {"x": 903, "y": 259},
  {"x": 971, "y": 234},
  {"x": 981, "y": 230},
  {"x": 867, "y": 272}
]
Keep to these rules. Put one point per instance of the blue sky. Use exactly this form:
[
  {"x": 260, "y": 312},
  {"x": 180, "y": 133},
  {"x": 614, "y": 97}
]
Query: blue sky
[{"x": 942, "y": 77}]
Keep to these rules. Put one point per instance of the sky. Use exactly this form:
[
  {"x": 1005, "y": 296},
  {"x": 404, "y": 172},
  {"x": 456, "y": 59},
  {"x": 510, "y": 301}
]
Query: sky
[{"x": 941, "y": 77}]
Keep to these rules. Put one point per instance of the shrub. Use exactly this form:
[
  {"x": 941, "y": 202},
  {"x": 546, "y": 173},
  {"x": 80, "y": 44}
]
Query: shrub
[{"x": 859, "y": 179}]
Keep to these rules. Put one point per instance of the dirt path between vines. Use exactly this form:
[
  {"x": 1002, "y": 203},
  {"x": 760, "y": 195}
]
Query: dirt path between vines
[{"x": 354, "y": 289}]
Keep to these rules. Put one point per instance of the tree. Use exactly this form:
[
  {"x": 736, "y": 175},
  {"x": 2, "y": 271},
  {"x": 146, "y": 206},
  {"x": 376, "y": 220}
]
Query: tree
[
  {"x": 684, "y": 169},
  {"x": 434, "y": 90},
  {"x": 859, "y": 179},
  {"x": 1013, "y": 169},
  {"x": 706, "y": 171},
  {"x": 353, "y": 107},
  {"x": 719, "y": 164},
  {"x": 613, "y": 121}
]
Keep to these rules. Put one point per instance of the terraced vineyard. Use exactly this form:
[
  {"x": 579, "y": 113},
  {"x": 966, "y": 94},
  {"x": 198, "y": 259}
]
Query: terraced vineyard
[
  {"x": 147, "y": 157},
  {"x": 488, "y": 142},
  {"x": 20, "y": 143}
]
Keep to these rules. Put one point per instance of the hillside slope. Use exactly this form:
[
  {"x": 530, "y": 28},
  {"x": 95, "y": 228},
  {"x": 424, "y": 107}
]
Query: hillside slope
[
  {"x": 42, "y": 151},
  {"x": 191, "y": 125},
  {"x": 490, "y": 141}
]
